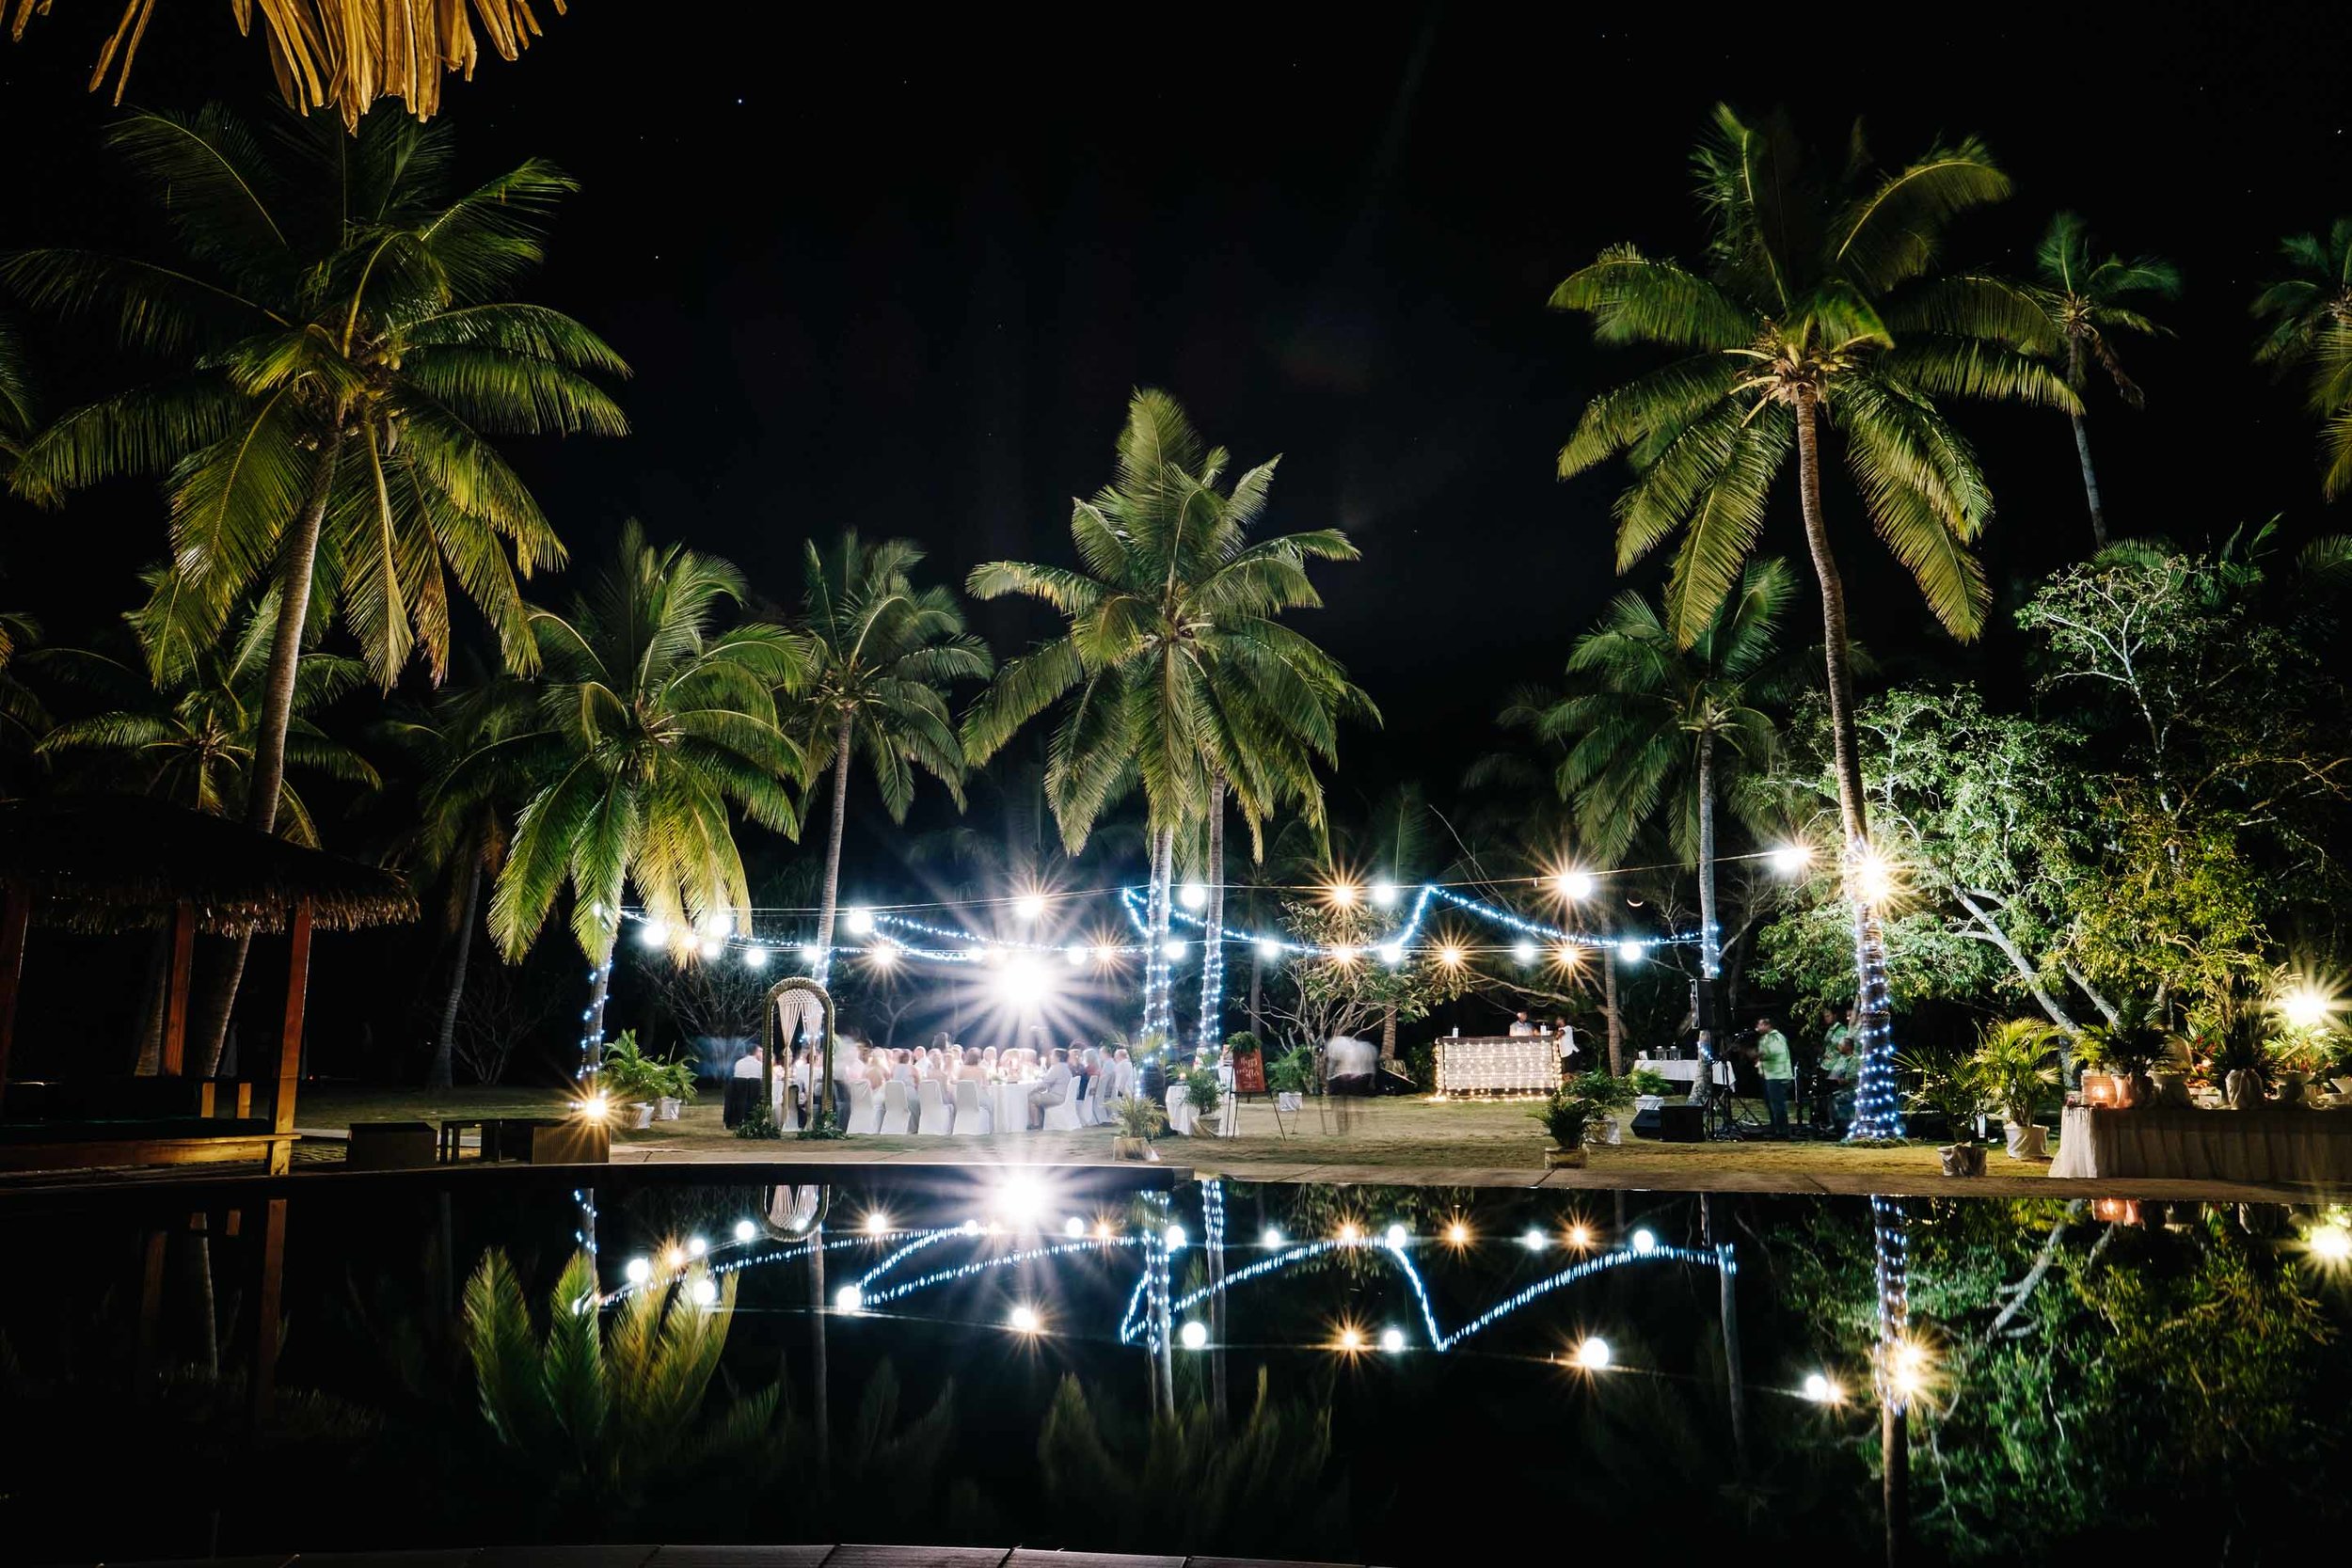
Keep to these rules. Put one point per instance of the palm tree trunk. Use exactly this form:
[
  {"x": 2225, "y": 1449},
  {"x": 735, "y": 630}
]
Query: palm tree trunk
[
  {"x": 1257, "y": 974},
  {"x": 1212, "y": 1028},
  {"x": 821, "y": 1400},
  {"x": 445, "y": 1040},
  {"x": 1609, "y": 1002},
  {"x": 600, "y": 990},
  {"x": 1158, "y": 1010},
  {"x": 1711, "y": 934},
  {"x": 268, "y": 778},
  {"x": 833, "y": 852},
  {"x": 1875, "y": 1104},
  {"x": 2091, "y": 483}
]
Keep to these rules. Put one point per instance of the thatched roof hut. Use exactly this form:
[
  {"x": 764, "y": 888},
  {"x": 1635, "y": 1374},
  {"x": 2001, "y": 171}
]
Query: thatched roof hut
[{"x": 114, "y": 862}]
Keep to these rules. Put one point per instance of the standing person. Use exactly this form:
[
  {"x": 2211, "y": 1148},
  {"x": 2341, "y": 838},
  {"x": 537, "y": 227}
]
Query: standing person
[
  {"x": 1778, "y": 1069},
  {"x": 1521, "y": 1025},
  {"x": 1841, "y": 1063}
]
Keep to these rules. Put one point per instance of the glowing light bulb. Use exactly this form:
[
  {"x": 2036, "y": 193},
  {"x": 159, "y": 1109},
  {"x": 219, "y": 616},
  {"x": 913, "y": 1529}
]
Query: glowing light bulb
[
  {"x": 1457, "y": 1234},
  {"x": 596, "y": 1107},
  {"x": 1873, "y": 878},
  {"x": 1450, "y": 956},
  {"x": 2331, "y": 1244},
  {"x": 1075, "y": 954},
  {"x": 1271, "y": 1238},
  {"x": 1391, "y": 1339},
  {"x": 848, "y": 1299},
  {"x": 1175, "y": 1238},
  {"x": 639, "y": 1271},
  {"x": 882, "y": 958},
  {"x": 1074, "y": 1227},
  {"x": 1103, "y": 1231},
  {"x": 696, "y": 1246},
  {"x": 1535, "y": 1241},
  {"x": 1343, "y": 894},
  {"x": 810, "y": 953},
  {"x": 1645, "y": 1242},
  {"x": 653, "y": 933},
  {"x": 1025, "y": 1320},
  {"x": 877, "y": 1223},
  {"x": 710, "y": 947},
  {"x": 1820, "y": 1390},
  {"x": 986, "y": 955},
  {"x": 703, "y": 1292},
  {"x": 713, "y": 923},
  {"x": 674, "y": 1258},
  {"x": 1629, "y": 952},
  {"x": 1173, "y": 950},
  {"x": 1579, "y": 1236},
  {"x": 1568, "y": 954},
  {"x": 860, "y": 921},
  {"x": 1593, "y": 1354},
  {"x": 1021, "y": 1200},
  {"x": 1268, "y": 949},
  {"x": 1384, "y": 895},
  {"x": 745, "y": 1230},
  {"x": 1105, "y": 953},
  {"x": 1193, "y": 896},
  {"x": 1344, "y": 954},
  {"x": 1351, "y": 1233},
  {"x": 1523, "y": 951},
  {"x": 2305, "y": 1007},
  {"x": 1351, "y": 1339},
  {"x": 1195, "y": 1335},
  {"x": 1023, "y": 983},
  {"x": 1397, "y": 1236},
  {"x": 1576, "y": 886},
  {"x": 1789, "y": 859},
  {"x": 1030, "y": 907}
]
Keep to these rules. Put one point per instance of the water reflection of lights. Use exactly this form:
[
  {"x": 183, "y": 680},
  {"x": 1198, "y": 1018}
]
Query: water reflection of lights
[
  {"x": 877, "y": 1223},
  {"x": 1535, "y": 1241},
  {"x": 1593, "y": 1353},
  {"x": 745, "y": 1230},
  {"x": 1581, "y": 1236},
  {"x": 1195, "y": 1335},
  {"x": 1270, "y": 1237},
  {"x": 1391, "y": 1339},
  {"x": 1397, "y": 1236},
  {"x": 1025, "y": 1320},
  {"x": 1821, "y": 1390},
  {"x": 848, "y": 1299},
  {"x": 2331, "y": 1244},
  {"x": 1645, "y": 1241}
]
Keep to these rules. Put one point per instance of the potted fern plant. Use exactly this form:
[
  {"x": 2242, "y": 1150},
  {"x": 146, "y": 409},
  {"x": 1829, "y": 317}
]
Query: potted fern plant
[
  {"x": 2019, "y": 1060},
  {"x": 1569, "y": 1114},
  {"x": 1290, "y": 1076}
]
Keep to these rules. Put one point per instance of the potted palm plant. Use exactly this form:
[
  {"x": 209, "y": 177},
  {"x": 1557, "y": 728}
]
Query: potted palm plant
[
  {"x": 2240, "y": 1059},
  {"x": 1206, "y": 1096},
  {"x": 2127, "y": 1053},
  {"x": 2019, "y": 1060},
  {"x": 632, "y": 1079},
  {"x": 1571, "y": 1111},
  {"x": 1290, "y": 1076},
  {"x": 1951, "y": 1084},
  {"x": 1139, "y": 1120}
]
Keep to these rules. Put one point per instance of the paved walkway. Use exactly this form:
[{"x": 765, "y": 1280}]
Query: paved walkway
[{"x": 735, "y": 1556}]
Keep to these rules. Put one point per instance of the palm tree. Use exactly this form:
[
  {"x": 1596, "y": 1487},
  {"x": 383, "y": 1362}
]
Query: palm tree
[
  {"x": 17, "y": 419},
  {"x": 1650, "y": 724},
  {"x": 322, "y": 52},
  {"x": 651, "y": 724},
  {"x": 22, "y": 719},
  {"x": 1180, "y": 681},
  {"x": 1821, "y": 305},
  {"x": 194, "y": 738},
  {"x": 2310, "y": 322},
  {"x": 461, "y": 818},
  {"x": 881, "y": 657},
  {"x": 2090, "y": 300},
  {"x": 343, "y": 345}
]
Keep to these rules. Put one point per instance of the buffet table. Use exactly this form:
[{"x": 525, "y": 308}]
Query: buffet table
[
  {"x": 1498, "y": 1064},
  {"x": 2272, "y": 1144}
]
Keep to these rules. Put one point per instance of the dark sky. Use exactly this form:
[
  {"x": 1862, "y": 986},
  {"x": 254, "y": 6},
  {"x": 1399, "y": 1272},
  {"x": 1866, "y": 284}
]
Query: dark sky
[{"x": 901, "y": 276}]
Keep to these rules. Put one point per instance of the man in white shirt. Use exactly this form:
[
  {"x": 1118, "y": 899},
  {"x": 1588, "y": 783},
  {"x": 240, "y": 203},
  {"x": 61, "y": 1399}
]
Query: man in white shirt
[
  {"x": 1052, "y": 1089},
  {"x": 1522, "y": 1026}
]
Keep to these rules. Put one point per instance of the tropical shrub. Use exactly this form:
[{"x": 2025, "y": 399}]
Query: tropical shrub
[{"x": 2019, "y": 1061}]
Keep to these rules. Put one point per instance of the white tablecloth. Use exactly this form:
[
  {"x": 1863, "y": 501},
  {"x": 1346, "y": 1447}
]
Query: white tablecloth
[
  {"x": 1681, "y": 1070},
  {"x": 2270, "y": 1145},
  {"x": 1011, "y": 1106}
]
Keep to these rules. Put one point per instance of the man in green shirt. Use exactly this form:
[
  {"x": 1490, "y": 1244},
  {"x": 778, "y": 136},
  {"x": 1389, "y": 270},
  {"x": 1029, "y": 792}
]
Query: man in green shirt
[
  {"x": 1841, "y": 1063},
  {"x": 1779, "y": 1071}
]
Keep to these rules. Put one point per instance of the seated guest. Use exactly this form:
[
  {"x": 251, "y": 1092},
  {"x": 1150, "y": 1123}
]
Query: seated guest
[
  {"x": 1051, "y": 1089},
  {"x": 989, "y": 1060},
  {"x": 902, "y": 1068},
  {"x": 749, "y": 1064},
  {"x": 971, "y": 1070}
]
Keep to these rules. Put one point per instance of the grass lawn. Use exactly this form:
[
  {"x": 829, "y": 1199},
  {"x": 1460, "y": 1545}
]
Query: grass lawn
[{"x": 1398, "y": 1141}]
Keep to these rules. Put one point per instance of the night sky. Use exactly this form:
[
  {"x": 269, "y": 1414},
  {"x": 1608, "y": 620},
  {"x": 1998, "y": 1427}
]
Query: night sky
[{"x": 901, "y": 276}]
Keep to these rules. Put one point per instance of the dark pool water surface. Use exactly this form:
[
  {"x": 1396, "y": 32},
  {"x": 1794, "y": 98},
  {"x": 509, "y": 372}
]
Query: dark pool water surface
[{"x": 1366, "y": 1374}]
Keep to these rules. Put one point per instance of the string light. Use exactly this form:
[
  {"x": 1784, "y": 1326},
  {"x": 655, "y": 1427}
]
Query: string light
[
  {"x": 861, "y": 922},
  {"x": 703, "y": 1292},
  {"x": 1030, "y": 907},
  {"x": 1535, "y": 1241},
  {"x": 1343, "y": 896},
  {"x": 1194, "y": 895},
  {"x": 1629, "y": 952},
  {"x": 1643, "y": 1242},
  {"x": 1271, "y": 1237},
  {"x": 848, "y": 1299},
  {"x": 1396, "y": 1237},
  {"x": 1820, "y": 1390},
  {"x": 1195, "y": 1335},
  {"x": 1523, "y": 951},
  {"x": 1384, "y": 895},
  {"x": 638, "y": 1271},
  {"x": 1575, "y": 886},
  {"x": 1789, "y": 859},
  {"x": 1391, "y": 1339},
  {"x": 755, "y": 958},
  {"x": 1593, "y": 1353},
  {"x": 1025, "y": 1320},
  {"x": 696, "y": 1246},
  {"x": 745, "y": 1230}
]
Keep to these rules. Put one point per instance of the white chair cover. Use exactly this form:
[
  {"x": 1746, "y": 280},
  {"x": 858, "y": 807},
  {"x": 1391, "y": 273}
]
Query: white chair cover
[
  {"x": 1090, "y": 1101},
  {"x": 1064, "y": 1116},
  {"x": 1180, "y": 1118},
  {"x": 937, "y": 1120},
  {"x": 972, "y": 1114},
  {"x": 865, "y": 1111},
  {"x": 898, "y": 1115}
]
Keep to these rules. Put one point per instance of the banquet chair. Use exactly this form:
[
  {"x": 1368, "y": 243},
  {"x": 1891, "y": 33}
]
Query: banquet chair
[
  {"x": 865, "y": 1113},
  {"x": 1180, "y": 1118},
  {"x": 938, "y": 1118},
  {"x": 1090, "y": 1102},
  {"x": 1064, "y": 1118},
  {"x": 898, "y": 1117},
  {"x": 972, "y": 1114}
]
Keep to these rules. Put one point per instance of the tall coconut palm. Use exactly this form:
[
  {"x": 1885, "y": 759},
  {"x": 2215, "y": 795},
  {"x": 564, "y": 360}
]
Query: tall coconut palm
[
  {"x": 1180, "y": 681},
  {"x": 2089, "y": 301},
  {"x": 2308, "y": 319},
  {"x": 17, "y": 420},
  {"x": 460, "y": 817},
  {"x": 652, "y": 723},
  {"x": 882, "y": 655},
  {"x": 1652, "y": 727},
  {"x": 1821, "y": 306},
  {"x": 342, "y": 345}
]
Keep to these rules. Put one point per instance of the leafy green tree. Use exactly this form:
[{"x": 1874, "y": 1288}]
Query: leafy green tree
[
  {"x": 652, "y": 723},
  {"x": 882, "y": 656},
  {"x": 2307, "y": 319},
  {"x": 1652, "y": 725},
  {"x": 2090, "y": 300},
  {"x": 342, "y": 347},
  {"x": 1180, "y": 679},
  {"x": 1821, "y": 305}
]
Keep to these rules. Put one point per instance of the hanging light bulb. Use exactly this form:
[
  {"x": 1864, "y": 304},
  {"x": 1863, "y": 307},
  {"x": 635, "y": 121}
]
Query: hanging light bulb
[
  {"x": 1105, "y": 953},
  {"x": 1270, "y": 949},
  {"x": 1345, "y": 955},
  {"x": 810, "y": 953},
  {"x": 1193, "y": 896},
  {"x": 1030, "y": 907},
  {"x": 1629, "y": 952},
  {"x": 860, "y": 921},
  {"x": 1384, "y": 895},
  {"x": 1450, "y": 956},
  {"x": 714, "y": 924},
  {"x": 1393, "y": 952},
  {"x": 1173, "y": 951},
  {"x": 710, "y": 947},
  {"x": 1789, "y": 859},
  {"x": 1523, "y": 951},
  {"x": 1076, "y": 956},
  {"x": 754, "y": 957},
  {"x": 1576, "y": 886},
  {"x": 653, "y": 933},
  {"x": 1343, "y": 894}
]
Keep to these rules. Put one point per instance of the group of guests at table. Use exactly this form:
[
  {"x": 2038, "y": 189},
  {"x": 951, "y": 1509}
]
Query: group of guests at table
[{"x": 1054, "y": 1075}]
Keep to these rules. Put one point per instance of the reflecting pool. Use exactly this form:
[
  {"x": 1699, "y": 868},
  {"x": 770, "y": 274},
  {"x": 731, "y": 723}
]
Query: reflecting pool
[{"x": 1358, "y": 1374}]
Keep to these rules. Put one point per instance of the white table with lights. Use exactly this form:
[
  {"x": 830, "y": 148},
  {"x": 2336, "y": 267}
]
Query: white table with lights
[{"x": 1498, "y": 1064}]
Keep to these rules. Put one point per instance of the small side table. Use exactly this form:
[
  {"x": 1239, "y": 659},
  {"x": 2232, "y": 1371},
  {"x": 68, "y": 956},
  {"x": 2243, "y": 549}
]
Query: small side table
[{"x": 453, "y": 1138}]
